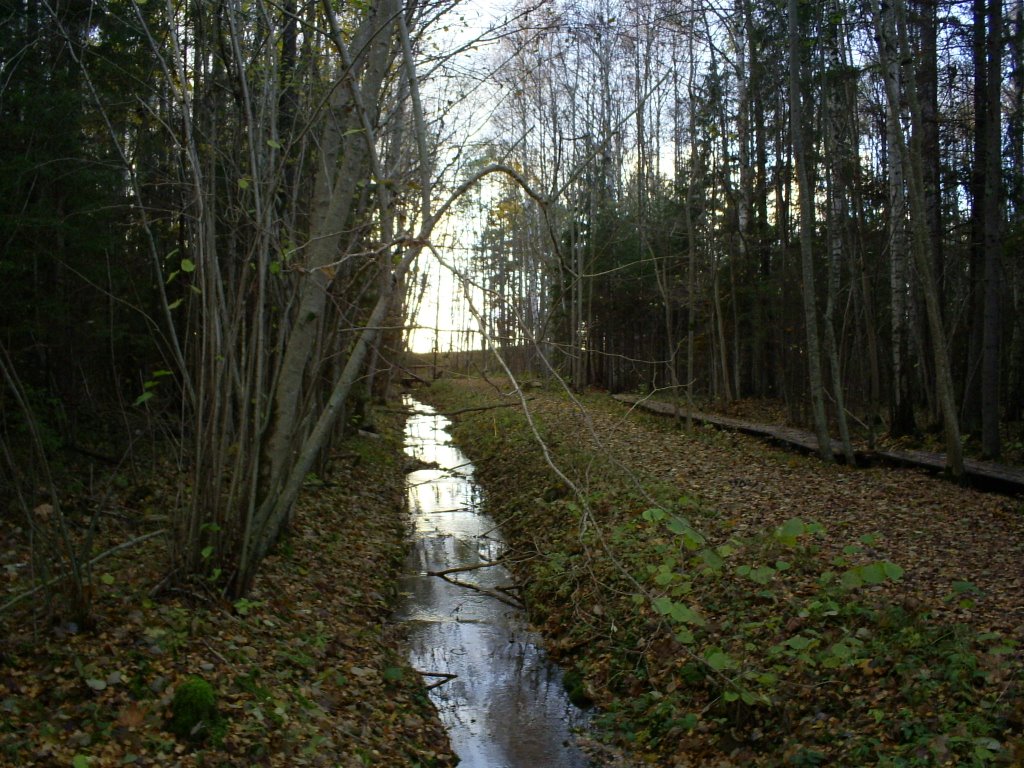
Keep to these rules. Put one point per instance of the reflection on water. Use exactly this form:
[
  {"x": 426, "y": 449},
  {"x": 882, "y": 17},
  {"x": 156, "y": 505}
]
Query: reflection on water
[{"x": 506, "y": 707}]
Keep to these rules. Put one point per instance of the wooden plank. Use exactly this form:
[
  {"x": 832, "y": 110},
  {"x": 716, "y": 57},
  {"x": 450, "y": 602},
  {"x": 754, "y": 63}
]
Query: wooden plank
[
  {"x": 984, "y": 474},
  {"x": 788, "y": 436}
]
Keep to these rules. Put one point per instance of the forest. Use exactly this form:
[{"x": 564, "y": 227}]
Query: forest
[
  {"x": 813, "y": 202},
  {"x": 229, "y": 231}
]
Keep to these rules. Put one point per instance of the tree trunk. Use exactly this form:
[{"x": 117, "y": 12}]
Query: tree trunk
[
  {"x": 343, "y": 163},
  {"x": 806, "y": 192},
  {"x": 990, "y": 363},
  {"x": 921, "y": 250}
]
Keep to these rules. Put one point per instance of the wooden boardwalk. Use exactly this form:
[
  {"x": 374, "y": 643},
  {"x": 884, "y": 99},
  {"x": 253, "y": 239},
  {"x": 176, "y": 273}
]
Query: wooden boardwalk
[{"x": 987, "y": 475}]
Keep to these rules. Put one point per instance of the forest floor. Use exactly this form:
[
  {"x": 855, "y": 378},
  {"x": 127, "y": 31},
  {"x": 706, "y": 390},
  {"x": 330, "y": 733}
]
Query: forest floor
[
  {"x": 307, "y": 669},
  {"x": 726, "y": 602}
]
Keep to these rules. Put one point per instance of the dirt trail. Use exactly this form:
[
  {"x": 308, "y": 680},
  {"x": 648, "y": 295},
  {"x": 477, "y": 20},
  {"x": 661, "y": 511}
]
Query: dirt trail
[{"x": 938, "y": 532}]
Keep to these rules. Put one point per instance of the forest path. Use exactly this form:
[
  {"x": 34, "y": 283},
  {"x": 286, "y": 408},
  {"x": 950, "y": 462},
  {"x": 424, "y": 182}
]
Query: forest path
[
  {"x": 940, "y": 533},
  {"x": 988, "y": 475}
]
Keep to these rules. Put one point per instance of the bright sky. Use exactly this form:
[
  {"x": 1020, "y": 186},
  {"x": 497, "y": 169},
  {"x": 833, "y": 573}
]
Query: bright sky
[{"x": 443, "y": 315}]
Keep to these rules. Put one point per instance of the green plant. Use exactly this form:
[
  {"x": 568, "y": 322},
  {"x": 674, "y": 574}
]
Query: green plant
[
  {"x": 575, "y": 686},
  {"x": 194, "y": 711}
]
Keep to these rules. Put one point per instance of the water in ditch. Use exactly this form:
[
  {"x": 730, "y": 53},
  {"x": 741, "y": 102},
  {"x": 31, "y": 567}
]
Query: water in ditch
[{"x": 498, "y": 695}]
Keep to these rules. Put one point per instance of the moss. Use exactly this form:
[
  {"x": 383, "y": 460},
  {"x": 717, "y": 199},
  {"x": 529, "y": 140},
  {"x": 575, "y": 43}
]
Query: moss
[
  {"x": 575, "y": 686},
  {"x": 194, "y": 711}
]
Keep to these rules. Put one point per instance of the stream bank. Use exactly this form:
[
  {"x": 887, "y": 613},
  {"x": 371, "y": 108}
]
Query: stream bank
[
  {"x": 726, "y": 603},
  {"x": 307, "y": 670},
  {"x": 501, "y": 700}
]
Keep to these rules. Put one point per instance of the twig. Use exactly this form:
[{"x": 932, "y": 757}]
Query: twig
[
  {"x": 215, "y": 652},
  {"x": 506, "y": 599},
  {"x": 463, "y": 568},
  {"x": 446, "y": 472},
  {"x": 447, "y": 677},
  {"x": 481, "y": 408}
]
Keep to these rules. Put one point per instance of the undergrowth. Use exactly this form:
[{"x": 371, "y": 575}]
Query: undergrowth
[{"x": 763, "y": 645}]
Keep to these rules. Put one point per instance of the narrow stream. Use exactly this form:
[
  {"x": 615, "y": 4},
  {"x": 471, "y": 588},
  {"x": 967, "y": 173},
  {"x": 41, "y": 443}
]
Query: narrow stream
[{"x": 498, "y": 695}]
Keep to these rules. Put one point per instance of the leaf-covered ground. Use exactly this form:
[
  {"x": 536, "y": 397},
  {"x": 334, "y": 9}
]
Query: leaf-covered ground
[
  {"x": 729, "y": 603},
  {"x": 306, "y": 669}
]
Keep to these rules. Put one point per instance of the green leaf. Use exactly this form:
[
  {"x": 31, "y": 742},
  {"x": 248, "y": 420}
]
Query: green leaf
[
  {"x": 693, "y": 541},
  {"x": 393, "y": 674},
  {"x": 718, "y": 660},
  {"x": 685, "y": 636},
  {"x": 841, "y": 651},
  {"x": 872, "y": 573},
  {"x": 892, "y": 570},
  {"x": 175, "y": 304},
  {"x": 243, "y": 605},
  {"x": 851, "y": 579},
  {"x": 798, "y": 642},
  {"x": 663, "y": 605},
  {"x": 712, "y": 559},
  {"x": 791, "y": 529},
  {"x": 207, "y": 551},
  {"x": 654, "y": 515},
  {"x": 664, "y": 578},
  {"x": 143, "y": 398},
  {"x": 275, "y": 267},
  {"x": 80, "y": 761},
  {"x": 273, "y": 144},
  {"x": 686, "y": 615},
  {"x": 107, "y": 579},
  {"x": 243, "y": 183},
  {"x": 187, "y": 265},
  {"x": 678, "y": 527}
]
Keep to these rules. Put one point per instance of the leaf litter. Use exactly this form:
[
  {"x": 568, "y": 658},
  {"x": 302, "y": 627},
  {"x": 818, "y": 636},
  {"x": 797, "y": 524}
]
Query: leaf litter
[
  {"x": 306, "y": 669},
  {"x": 726, "y": 602}
]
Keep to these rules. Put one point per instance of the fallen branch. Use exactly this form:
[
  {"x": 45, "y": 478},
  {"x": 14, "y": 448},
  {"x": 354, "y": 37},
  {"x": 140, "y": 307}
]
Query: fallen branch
[
  {"x": 99, "y": 558},
  {"x": 500, "y": 596},
  {"x": 463, "y": 568},
  {"x": 447, "y": 677},
  {"x": 446, "y": 473},
  {"x": 412, "y": 374},
  {"x": 482, "y": 408}
]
